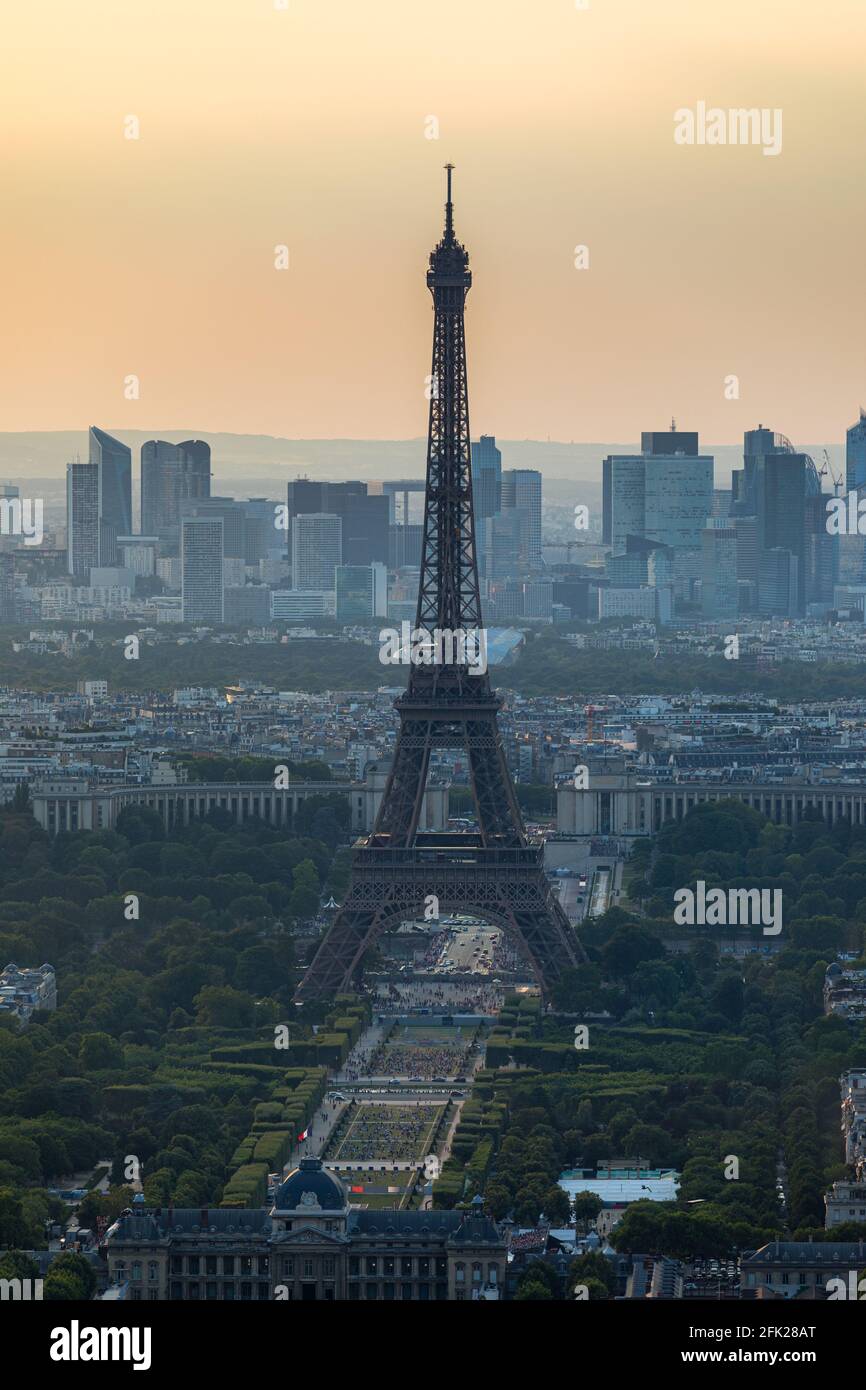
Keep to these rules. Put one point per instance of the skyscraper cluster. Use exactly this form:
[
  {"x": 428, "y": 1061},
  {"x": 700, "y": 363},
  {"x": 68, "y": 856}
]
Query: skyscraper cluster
[{"x": 762, "y": 548}]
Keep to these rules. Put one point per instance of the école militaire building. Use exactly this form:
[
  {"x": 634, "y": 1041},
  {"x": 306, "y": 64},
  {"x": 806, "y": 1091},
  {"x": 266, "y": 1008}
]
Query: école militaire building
[{"x": 310, "y": 1246}]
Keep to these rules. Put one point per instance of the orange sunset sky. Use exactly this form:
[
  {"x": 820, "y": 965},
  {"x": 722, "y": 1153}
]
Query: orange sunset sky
[{"x": 306, "y": 126}]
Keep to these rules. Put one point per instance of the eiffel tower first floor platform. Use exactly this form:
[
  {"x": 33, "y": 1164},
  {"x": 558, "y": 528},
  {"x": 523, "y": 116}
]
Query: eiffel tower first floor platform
[{"x": 450, "y": 874}]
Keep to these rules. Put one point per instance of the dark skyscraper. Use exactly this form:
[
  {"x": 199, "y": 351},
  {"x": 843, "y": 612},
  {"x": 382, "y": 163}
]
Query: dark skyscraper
[
  {"x": 171, "y": 476},
  {"x": 233, "y": 518},
  {"x": 303, "y": 497},
  {"x": 365, "y": 522},
  {"x": 113, "y": 463},
  {"x": 404, "y": 546},
  {"x": 521, "y": 488},
  {"x": 365, "y": 517},
  {"x": 780, "y": 491},
  {"x": 855, "y": 454},
  {"x": 486, "y": 477}
]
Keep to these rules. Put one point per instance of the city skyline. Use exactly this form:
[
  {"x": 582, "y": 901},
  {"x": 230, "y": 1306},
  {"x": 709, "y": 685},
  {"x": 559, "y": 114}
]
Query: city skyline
[
  {"x": 433, "y": 870},
  {"x": 182, "y": 224}
]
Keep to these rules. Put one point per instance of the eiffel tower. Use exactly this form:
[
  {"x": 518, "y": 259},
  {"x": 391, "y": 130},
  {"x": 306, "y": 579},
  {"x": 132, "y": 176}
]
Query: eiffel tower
[{"x": 497, "y": 872}]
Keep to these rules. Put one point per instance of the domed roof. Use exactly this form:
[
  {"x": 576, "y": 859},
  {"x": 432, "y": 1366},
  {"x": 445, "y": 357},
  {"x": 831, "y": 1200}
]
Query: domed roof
[
  {"x": 310, "y": 1188},
  {"x": 834, "y": 969}
]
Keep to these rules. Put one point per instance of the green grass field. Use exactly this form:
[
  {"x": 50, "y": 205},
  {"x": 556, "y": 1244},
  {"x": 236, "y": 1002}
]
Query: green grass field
[
  {"x": 381, "y": 1190},
  {"x": 385, "y": 1132}
]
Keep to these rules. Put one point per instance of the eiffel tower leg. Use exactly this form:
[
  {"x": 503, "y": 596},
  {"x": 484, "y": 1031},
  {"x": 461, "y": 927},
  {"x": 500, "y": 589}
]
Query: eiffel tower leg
[
  {"x": 499, "y": 817},
  {"x": 400, "y": 811},
  {"x": 336, "y": 965}
]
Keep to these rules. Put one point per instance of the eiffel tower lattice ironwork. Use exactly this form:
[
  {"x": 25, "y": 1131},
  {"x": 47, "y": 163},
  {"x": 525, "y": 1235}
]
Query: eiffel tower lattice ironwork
[{"x": 496, "y": 873}]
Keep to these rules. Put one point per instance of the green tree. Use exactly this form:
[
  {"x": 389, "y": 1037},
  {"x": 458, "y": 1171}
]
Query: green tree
[
  {"x": 99, "y": 1051},
  {"x": 70, "y": 1276}
]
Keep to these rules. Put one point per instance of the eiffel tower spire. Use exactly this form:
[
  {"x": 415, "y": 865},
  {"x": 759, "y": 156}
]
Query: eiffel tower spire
[{"x": 448, "y": 594}]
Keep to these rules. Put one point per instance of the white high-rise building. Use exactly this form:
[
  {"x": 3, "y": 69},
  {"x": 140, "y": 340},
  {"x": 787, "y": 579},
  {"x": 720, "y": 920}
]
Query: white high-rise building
[
  {"x": 662, "y": 494},
  {"x": 201, "y": 558},
  {"x": 317, "y": 549}
]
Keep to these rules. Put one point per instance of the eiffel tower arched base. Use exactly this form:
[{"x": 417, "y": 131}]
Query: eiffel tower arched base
[{"x": 507, "y": 887}]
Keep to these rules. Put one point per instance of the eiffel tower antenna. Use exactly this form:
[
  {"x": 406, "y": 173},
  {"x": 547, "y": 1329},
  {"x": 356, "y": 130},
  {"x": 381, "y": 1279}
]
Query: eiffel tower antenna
[
  {"x": 496, "y": 873},
  {"x": 449, "y": 207}
]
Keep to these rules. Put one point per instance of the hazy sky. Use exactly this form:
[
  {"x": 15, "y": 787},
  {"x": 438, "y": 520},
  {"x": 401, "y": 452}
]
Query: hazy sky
[{"x": 306, "y": 126}]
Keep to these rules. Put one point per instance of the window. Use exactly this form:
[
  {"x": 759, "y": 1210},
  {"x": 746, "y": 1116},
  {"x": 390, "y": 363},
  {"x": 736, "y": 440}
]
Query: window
[
  {"x": 424, "y": 1266},
  {"x": 476, "y": 1273},
  {"x": 246, "y": 1264},
  {"x": 210, "y": 1264},
  {"x": 371, "y": 1292},
  {"x": 228, "y": 1264},
  {"x": 136, "y": 1270},
  {"x": 354, "y": 1264},
  {"x": 153, "y": 1270},
  {"x": 308, "y": 1269},
  {"x": 441, "y": 1268},
  {"x": 246, "y": 1292},
  {"x": 492, "y": 1274},
  {"x": 264, "y": 1264},
  {"x": 192, "y": 1264},
  {"x": 406, "y": 1264},
  {"x": 354, "y": 1292},
  {"x": 288, "y": 1266},
  {"x": 388, "y": 1291},
  {"x": 136, "y": 1293},
  {"x": 328, "y": 1266},
  {"x": 406, "y": 1290},
  {"x": 372, "y": 1264},
  {"x": 387, "y": 1264},
  {"x": 210, "y": 1289},
  {"x": 460, "y": 1274}
]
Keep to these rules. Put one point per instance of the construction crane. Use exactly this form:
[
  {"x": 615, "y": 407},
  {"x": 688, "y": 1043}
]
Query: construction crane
[{"x": 826, "y": 470}]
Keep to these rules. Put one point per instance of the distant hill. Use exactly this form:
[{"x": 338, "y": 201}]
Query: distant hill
[{"x": 251, "y": 464}]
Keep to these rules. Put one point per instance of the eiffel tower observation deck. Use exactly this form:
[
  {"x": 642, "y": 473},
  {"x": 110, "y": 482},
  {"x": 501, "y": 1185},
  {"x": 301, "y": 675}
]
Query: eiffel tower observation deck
[{"x": 497, "y": 871}]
